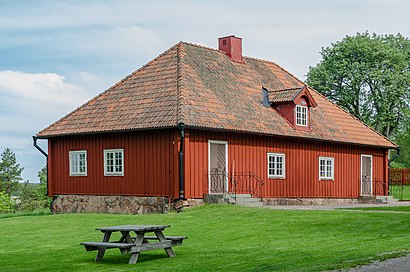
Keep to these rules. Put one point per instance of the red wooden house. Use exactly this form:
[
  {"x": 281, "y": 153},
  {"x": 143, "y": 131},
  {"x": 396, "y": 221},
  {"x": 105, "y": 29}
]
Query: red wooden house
[{"x": 197, "y": 121}]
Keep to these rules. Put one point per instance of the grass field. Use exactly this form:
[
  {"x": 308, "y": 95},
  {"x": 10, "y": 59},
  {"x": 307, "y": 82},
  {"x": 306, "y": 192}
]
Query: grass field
[{"x": 221, "y": 238}]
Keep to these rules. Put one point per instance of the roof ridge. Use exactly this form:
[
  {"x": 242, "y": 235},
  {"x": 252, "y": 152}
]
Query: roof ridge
[
  {"x": 286, "y": 89},
  {"x": 200, "y": 46},
  {"x": 109, "y": 89},
  {"x": 280, "y": 67}
]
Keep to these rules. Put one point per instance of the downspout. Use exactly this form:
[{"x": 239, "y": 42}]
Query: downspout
[
  {"x": 181, "y": 128},
  {"x": 388, "y": 168},
  {"x": 395, "y": 156},
  {"x": 35, "y": 138}
]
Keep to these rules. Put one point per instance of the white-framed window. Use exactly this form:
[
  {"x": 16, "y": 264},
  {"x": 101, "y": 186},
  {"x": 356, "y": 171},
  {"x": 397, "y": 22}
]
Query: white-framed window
[
  {"x": 276, "y": 165},
  {"x": 326, "y": 168},
  {"x": 301, "y": 115},
  {"x": 114, "y": 162},
  {"x": 78, "y": 162}
]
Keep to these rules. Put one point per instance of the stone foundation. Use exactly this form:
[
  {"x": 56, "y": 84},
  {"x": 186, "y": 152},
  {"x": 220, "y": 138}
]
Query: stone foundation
[
  {"x": 213, "y": 199},
  {"x": 109, "y": 204},
  {"x": 309, "y": 201},
  {"x": 160, "y": 204},
  {"x": 180, "y": 205}
]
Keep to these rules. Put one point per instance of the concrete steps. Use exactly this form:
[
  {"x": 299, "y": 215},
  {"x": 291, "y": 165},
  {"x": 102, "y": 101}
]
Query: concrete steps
[
  {"x": 377, "y": 200},
  {"x": 367, "y": 200},
  {"x": 248, "y": 201},
  {"x": 390, "y": 200}
]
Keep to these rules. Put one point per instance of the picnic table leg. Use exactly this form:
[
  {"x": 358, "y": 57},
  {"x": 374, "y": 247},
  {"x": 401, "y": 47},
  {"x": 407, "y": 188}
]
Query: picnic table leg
[
  {"x": 138, "y": 241},
  {"x": 162, "y": 238},
  {"x": 125, "y": 237},
  {"x": 101, "y": 250}
]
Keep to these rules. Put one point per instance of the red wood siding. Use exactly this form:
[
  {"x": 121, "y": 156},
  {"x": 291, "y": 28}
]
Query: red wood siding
[
  {"x": 249, "y": 154},
  {"x": 287, "y": 110},
  {"x": 150, "y": 164}
]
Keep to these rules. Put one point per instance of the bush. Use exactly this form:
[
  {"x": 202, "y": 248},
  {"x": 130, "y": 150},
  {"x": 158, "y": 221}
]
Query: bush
[
  {"x": 33, "y": 197},
  {"x": 6, "y": 204}
]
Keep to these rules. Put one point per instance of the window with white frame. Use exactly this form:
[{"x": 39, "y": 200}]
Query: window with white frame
[
  {"x": 276, "y": 165},
  {"x": 78, "y": 162},
  {"x": 326, "y": 168},
  {"x": 114, "y": 162},
  {"x": 301, "y": 115}
]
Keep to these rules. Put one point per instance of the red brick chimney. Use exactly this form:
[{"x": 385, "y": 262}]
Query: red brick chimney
[{"x": 232, "y": 46}]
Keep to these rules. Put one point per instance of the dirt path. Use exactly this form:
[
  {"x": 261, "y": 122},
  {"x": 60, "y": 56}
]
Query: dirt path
[
  {"x": 333, "y": 207},
  {"x": 401, "y": 264}
]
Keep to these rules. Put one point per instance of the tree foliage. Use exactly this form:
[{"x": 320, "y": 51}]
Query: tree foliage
[
  {"x": 6, "y": 204},
  {"x": 403, "y": 140},
  {"x": 10, "y": 171},
  {"x": 33, "y": 196},
  {"x": 369, "y": 76}
]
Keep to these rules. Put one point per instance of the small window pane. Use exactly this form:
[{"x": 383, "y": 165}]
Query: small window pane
[
  {"x": 301, "y": 115},
  {"x": 326, "y": 168},
  {"x": 78, "y": 163},
  {"x": 114, "y": 162},
  {"x": 276, "y": 165}
]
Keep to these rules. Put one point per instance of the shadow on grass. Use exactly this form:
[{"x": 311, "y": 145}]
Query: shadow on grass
[
  {"x": 18, "y": 214},
  {"x": 116, "y": 258}
]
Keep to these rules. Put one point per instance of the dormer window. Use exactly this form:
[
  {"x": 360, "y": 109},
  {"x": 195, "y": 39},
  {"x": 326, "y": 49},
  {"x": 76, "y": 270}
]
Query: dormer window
[
  {"x": 293, "y": 104},
  {"x": 301, "y": 115}
]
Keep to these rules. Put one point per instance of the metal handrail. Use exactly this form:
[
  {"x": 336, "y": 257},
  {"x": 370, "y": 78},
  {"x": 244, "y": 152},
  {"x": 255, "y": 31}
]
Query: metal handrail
[{"x": 239, "y": 182}]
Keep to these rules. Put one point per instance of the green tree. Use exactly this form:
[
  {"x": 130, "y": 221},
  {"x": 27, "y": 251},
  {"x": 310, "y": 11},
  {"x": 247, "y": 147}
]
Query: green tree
[
  {"x": 33, "y": 196},
  {"x": 42, "y": 188},
  {"x": 403, "y": 140},
  {"x": 42, "y": 175},
  {"x": 6, "y": 204},
  {"x": 10, "y": 171},
  {"x": 369, "y": 76}
]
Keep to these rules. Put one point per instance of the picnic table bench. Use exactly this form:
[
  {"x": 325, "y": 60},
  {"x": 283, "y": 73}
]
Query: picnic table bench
[{"x": 134, "y": 245}]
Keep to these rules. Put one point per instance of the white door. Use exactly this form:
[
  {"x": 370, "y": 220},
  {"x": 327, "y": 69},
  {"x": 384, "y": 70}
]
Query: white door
[
  {"x": 218, "y": 166},
  {"x": 366, "y": 175}
]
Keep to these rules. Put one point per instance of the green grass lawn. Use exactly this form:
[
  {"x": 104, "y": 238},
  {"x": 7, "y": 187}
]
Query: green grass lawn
[
  {"x": 221, "y": 238},
  {"x": 399, "y": 192}
]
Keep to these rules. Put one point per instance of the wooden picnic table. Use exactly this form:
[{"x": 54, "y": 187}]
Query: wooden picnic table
[{"x": 134, "y": 245}]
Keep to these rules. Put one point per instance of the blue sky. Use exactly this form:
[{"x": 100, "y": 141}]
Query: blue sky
[{"x": 56, "y": 55}]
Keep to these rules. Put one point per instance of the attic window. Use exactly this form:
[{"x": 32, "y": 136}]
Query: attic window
[{"x": 301, "y": 115}]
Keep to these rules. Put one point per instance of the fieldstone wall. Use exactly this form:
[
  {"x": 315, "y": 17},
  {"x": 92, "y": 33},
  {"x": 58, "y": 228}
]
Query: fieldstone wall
[
  {"x": 180, "y": 205},
  {"x": 212, "y": 199},
  {"x": 309, "y": 201},
  {"x": 109, "y": 204}
]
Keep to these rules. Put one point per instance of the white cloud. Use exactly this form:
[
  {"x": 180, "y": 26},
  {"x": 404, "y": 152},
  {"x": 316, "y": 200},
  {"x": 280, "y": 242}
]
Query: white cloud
[
  {"x": 121, "y": 42},
  {"x": 30, "y": 102},
  {"x": 45, "y": 87}
]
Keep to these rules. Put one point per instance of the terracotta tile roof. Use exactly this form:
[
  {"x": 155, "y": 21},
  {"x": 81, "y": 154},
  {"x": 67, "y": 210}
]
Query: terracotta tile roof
[
  {"x": 284, "y": 95},
  {"x": 204, "y": 88}
]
